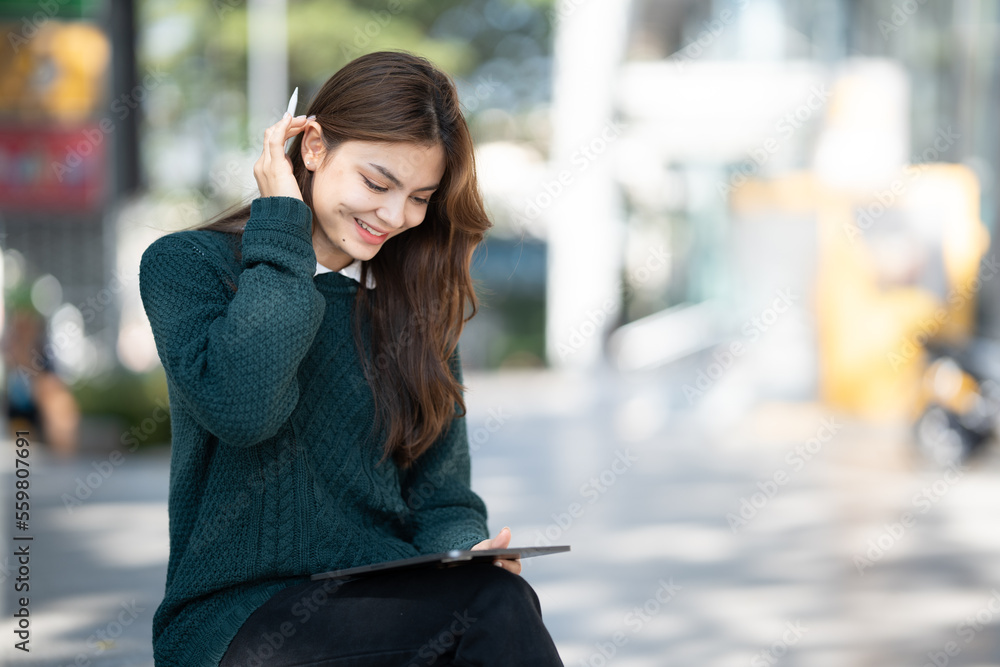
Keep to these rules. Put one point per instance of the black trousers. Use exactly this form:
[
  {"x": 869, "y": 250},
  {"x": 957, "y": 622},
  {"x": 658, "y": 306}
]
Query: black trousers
[{"x": 474, "y": 614}]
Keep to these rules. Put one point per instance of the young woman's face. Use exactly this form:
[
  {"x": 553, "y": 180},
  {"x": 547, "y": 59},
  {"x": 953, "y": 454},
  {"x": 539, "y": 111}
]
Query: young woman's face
[{"x": 364, "y": 193}]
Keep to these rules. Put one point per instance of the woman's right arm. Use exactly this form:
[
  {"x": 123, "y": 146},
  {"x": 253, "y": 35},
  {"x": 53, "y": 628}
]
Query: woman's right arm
[{"x": 232, "y": 359}]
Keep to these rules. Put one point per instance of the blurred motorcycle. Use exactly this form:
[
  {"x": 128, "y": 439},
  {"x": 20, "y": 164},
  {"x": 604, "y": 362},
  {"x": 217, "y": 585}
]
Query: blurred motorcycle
[{"x": 960, "y": 396}]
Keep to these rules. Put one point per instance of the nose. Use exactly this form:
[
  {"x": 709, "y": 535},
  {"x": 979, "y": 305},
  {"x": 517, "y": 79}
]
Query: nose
[{"x": 393, "y": 212}]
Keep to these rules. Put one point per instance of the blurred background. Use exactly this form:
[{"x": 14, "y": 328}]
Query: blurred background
[{"x": 738, "y": 342}]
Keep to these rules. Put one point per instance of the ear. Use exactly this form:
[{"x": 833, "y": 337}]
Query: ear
[{"x": 313, "y": 148}]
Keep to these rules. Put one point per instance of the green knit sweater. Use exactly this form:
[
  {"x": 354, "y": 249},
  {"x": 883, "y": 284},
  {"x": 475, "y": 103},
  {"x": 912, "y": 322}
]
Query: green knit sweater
[{"x": 274, "y": 469}]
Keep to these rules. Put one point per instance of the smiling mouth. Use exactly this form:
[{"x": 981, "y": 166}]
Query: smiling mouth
[{"x": 368, "y": 229}]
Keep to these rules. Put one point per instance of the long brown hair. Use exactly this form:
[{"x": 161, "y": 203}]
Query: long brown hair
[{"x": 424, "y": 291}]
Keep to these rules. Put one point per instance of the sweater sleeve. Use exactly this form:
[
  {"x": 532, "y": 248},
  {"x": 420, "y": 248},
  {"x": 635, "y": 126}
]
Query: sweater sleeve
[
  {"x": 232, "y": 358},
  {"x": 445, "y": 512}
]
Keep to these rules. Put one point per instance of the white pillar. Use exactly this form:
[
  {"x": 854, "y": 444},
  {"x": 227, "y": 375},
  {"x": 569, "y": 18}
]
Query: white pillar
[
  {"x": 585, "y": 225},
  {"x": 267, "y": 65}
]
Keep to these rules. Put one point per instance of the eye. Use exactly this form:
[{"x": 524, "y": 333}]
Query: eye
[
  {"x": 422, "y": 201},
  {"x": 376, "y": 188}
]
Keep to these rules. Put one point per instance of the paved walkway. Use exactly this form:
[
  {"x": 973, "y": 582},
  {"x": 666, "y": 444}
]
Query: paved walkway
[{"x": 839, "y": 549}]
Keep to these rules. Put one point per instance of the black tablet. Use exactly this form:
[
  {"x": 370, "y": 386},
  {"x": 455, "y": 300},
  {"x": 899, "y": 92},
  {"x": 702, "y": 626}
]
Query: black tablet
[{"x": 444, "y": 559}]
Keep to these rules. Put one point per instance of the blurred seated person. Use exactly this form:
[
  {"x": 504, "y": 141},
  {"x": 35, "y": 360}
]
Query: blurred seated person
[{"x": 37, "y": 400}]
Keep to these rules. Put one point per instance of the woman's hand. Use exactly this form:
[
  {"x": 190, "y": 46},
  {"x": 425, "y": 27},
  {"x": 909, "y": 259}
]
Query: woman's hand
[
  {"x": 500, "y": 542},
  {"x": 273, "y": 169}
]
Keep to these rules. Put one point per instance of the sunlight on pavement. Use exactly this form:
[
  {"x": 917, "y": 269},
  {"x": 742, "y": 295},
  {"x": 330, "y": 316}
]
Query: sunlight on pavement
[{"x": 122, "y": 535}]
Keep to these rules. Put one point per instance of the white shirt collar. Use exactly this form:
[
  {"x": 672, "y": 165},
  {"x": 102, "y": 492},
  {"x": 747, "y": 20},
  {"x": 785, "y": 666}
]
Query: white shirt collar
[{"x": 352, "y": 270}]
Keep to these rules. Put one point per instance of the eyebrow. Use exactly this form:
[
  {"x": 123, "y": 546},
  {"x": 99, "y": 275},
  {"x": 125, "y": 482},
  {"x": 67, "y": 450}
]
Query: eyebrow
[{"x": 395, "y": 181}]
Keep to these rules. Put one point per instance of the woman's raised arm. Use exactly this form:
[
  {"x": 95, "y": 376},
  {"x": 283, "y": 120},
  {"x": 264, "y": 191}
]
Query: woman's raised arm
[{"x": 232, "y": 358}]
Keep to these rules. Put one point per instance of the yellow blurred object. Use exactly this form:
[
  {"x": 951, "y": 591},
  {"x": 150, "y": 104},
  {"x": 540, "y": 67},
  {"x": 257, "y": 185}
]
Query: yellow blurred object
[
  {"x": 947, "y": 385},
  {"x": 80, "y": 52},
  {"x": 60, "y": 72},
  {"x": 965, "y": 242},
  {"x": 874, "y": 321}
]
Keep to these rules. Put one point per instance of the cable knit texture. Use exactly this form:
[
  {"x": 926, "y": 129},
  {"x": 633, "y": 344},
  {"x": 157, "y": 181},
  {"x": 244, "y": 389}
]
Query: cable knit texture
[{"x": 274, "y": 470}]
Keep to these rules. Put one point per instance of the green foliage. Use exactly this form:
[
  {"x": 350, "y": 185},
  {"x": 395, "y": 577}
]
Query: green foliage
[
  {"x": 32, "y": 12},
  {"x": 203, "y": 45},
  {"x": 137, "y": 400},
  {"x": 522, "y": 340},
  {"x": 324, "y": 36}
]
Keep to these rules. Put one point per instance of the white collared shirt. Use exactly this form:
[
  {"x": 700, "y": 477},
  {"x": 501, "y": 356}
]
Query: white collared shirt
[{"x": 352, "y": 270}]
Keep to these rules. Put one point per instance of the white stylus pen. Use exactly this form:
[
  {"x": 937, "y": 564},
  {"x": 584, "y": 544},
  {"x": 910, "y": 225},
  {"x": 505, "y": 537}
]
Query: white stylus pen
[{"x": 292, "y": 103}]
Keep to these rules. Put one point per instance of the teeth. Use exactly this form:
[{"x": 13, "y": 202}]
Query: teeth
[{"x": 370, "y": 230}]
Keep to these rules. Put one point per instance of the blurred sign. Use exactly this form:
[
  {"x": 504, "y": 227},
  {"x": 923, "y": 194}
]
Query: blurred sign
[
  {"x": 53, "y": 84},
  {"x": 54, "y": 70},
  {"x": 32, "y": 12},
  {"x": 52, "y": 170}
]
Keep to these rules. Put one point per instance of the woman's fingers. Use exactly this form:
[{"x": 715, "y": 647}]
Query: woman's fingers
[
  {"x": 276, "y": 136},
  {"x": 502, "y": 540},
  {"x": 280, "y": 131},
  {"x": 509, "y": 565},
  {"x": 499, "y": 542},
  {"x": 273, "y": 169}
]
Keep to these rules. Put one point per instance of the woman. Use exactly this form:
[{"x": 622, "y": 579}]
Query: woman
[{"x": 319, "y": 425}]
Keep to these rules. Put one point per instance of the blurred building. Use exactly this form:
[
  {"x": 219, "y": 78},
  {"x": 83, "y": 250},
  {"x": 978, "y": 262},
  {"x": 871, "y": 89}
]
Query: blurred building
[
  {"x": 69, "y": 102},
  {"x": 739, "y": 120}
]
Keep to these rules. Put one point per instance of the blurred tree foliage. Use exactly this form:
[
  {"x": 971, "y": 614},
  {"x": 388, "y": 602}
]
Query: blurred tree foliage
[
  {"x": 505, "y": 44},
  {"x": 498, "y": 51},
  {"x": 137, "y": 402}
]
